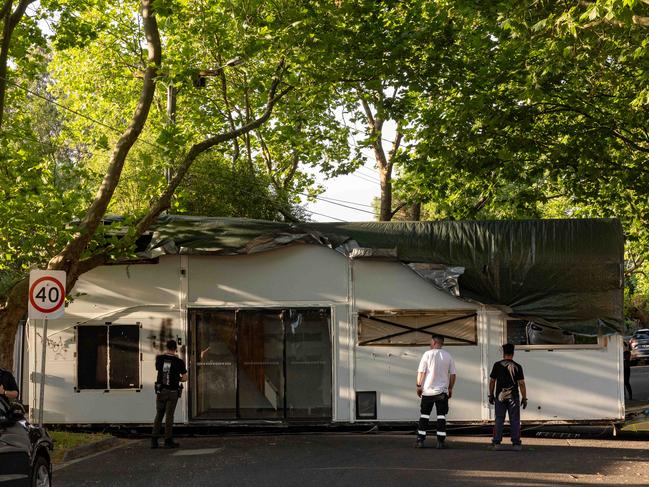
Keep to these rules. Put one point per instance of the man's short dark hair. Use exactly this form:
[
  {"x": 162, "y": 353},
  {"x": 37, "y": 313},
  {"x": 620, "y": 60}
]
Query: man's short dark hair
[
  {"x": 508, "y": 349},
  {"x": 172, "y": 345},
  {"x": 438, "y": 339}
]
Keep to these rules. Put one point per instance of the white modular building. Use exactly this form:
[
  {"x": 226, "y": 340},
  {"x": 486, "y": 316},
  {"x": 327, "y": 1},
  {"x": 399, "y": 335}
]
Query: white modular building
[{"x": 327, "y": 324}]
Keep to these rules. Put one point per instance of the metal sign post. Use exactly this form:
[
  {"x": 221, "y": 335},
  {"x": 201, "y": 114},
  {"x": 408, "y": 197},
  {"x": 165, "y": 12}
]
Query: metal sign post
[
  {"x": 41, "y": 397},
  {"x": 46, "y": 302}
]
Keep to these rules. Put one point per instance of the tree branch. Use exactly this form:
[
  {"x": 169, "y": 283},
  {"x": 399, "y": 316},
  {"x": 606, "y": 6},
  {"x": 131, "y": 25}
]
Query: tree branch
[
  {"x": 164, "y": 201},
  {"x": 10, "y": 21},
  {"x": 70, "y": 255}
]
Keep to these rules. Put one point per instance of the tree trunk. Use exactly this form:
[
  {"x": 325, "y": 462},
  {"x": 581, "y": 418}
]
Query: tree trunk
[
  {"x": 10, "y": 315},
  {"x": 10, "y": 21},
  {"x": 385, "y": 177},
  {"x": 69, "y": 259},
  {"x": 415, "y": 212}
]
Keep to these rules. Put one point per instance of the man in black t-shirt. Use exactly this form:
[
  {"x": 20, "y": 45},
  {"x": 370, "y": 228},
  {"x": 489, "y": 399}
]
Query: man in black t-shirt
[
  {"x": 8, "y": 386},
  {"x": 506, "y": 377},
  {"x": 171, "y": 372}
]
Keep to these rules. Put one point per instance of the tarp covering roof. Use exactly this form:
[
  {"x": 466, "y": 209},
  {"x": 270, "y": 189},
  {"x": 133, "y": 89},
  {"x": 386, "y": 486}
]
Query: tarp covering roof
[{"x": 565, "y": 273}]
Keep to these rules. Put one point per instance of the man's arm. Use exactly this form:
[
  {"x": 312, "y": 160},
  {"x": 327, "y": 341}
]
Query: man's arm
[
  {"x": 521, "y": 384},
  {"x": 9, "y": 394},
  {"x": 420, "y": 382},
  {"x": 492, "y": 386},
  {"x": 8, "y": 386},
  {"x": 183, "y": 378},
  {"x": 451, "y": 383}
]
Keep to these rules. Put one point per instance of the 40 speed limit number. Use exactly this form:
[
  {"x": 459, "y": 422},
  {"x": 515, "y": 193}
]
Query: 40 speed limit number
[{"x": 46, "y": 294}]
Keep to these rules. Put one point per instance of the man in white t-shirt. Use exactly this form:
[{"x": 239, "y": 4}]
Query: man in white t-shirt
[{"x": 435, "y": 381}]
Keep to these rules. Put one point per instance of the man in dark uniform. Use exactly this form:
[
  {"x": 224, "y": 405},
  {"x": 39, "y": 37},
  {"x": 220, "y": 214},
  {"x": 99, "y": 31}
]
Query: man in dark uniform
[
  {"x": 8, "y": 386},
  {"x": 506, "y": 377},
  {"x": 171, "y": 372},
  {"x": 627, "y": 369}
]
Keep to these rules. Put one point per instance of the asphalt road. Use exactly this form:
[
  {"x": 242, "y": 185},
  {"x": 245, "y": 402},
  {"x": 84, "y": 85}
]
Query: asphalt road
[
  {"x": 640, "y": 383},
  {"x": 361, "y": 460}
]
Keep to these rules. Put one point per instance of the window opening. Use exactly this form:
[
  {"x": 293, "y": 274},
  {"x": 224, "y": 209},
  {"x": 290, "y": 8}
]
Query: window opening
[
  {"x": 415, "y": 327},
  {"x": 528, "y": 333},
  {"x": 108, "y": 357}
]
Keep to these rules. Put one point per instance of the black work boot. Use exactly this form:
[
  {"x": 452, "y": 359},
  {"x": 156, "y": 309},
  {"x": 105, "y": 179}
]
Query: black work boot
[
  {"x": 420, "y": 443},
  {"x": 154, "y": 442},
  {"x": 441, "y": 445},
  {"x": 171, "y": 444}
]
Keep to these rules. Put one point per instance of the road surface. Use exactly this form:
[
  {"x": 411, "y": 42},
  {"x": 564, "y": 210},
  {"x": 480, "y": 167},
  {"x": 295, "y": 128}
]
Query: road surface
[{"x": 361, "y": 460}]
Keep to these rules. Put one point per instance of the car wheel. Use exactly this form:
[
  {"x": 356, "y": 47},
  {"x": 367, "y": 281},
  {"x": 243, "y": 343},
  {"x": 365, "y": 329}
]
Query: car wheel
[{"x": 41, "y": 473}]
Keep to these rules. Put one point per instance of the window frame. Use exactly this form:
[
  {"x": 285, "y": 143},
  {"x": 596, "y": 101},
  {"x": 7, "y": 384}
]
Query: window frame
[
  {"x": 462, "y": 314},
  {"x": 138, "y": 356},
  {"x": 602, "y": 342}
]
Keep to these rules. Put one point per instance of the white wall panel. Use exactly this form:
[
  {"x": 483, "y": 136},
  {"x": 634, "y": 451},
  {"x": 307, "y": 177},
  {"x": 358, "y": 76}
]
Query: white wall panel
[
  {"x": 392, "y": 285},
  {"x": 64, "y": 405},
  {"x": 566, "y": 384},
  {"x": 300, "y": 273},
  {"x": 106, "y": 290}
]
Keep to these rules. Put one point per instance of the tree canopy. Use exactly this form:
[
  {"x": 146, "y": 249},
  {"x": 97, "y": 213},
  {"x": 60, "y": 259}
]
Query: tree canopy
[{"x": 474, "y": 110}]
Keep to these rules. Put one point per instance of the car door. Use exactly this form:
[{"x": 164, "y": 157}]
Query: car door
[{"x": 14, "y": 450}]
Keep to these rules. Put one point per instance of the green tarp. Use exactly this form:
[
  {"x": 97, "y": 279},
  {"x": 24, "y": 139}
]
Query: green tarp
[{"x": 565, "y": 273}]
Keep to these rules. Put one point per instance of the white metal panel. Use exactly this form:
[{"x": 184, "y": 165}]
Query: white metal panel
[
  {"x": 392, "y": 372},
  {"x": 108, "y": 290},
  {"x": 342, "y": 389},
  {"x": 64, "y": 405},
  {"x": 392, "y": 285},
  {"x": 300, "y": 273},
  {"x": 566, "y": 384}
]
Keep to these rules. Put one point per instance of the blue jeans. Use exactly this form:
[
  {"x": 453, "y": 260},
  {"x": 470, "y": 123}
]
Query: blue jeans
[{"x": 511, "y": 407}]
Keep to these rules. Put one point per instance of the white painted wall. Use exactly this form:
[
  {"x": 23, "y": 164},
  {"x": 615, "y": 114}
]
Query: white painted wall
[
  {"x": 392, "y": 371},
  {"x": 567, "y": 384},
  {"x": 121, "y": 294},
  {"x": 296, "y": 274}
]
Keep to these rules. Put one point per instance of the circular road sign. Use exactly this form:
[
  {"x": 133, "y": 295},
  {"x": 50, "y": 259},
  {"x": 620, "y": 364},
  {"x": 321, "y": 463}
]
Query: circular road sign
[{"x": 46, "y": 294}]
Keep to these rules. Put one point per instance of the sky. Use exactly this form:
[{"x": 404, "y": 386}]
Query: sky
[{"x": 355, "y": 191}]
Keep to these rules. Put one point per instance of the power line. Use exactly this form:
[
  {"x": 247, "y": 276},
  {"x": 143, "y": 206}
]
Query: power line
[
  {"x": 326, "y": 216},
  {"x": 328, "y": 198},
  {"x": 342, "y": 205},
  {"x": 367, "y": 175},
  {"x": 364, "y": 178}
]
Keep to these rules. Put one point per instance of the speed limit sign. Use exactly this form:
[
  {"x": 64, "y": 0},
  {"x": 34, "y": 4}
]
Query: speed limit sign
[{"x": 46, "y": 294}]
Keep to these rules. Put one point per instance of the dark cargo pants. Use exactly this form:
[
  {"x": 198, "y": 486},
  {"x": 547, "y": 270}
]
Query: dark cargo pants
[
  {"x": 440, "y": 401},
  {"x": 165, "y": 405},
  {"x": 512, "y": 408}
]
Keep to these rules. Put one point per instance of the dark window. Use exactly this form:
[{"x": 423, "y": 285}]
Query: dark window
[
  {"x": 416, "y": 327},
  {"x": 124, "y": 354},
  {"x": 365, "y": 404},
  {"x": 522, "y": 332},
  {"x": 108, "y": 357},
  {"x": 92, "y": 357}
]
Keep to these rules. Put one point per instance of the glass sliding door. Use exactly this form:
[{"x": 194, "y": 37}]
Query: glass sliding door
[
  {"x": 261, "y": 364},
  {"x": 214, "y": 381},
  {"x": 308, "y": 364}
]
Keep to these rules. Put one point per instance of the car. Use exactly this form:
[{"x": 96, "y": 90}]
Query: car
[
  {"x": 639, "y": 344},
  {"x": 24, "y": 449}
]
